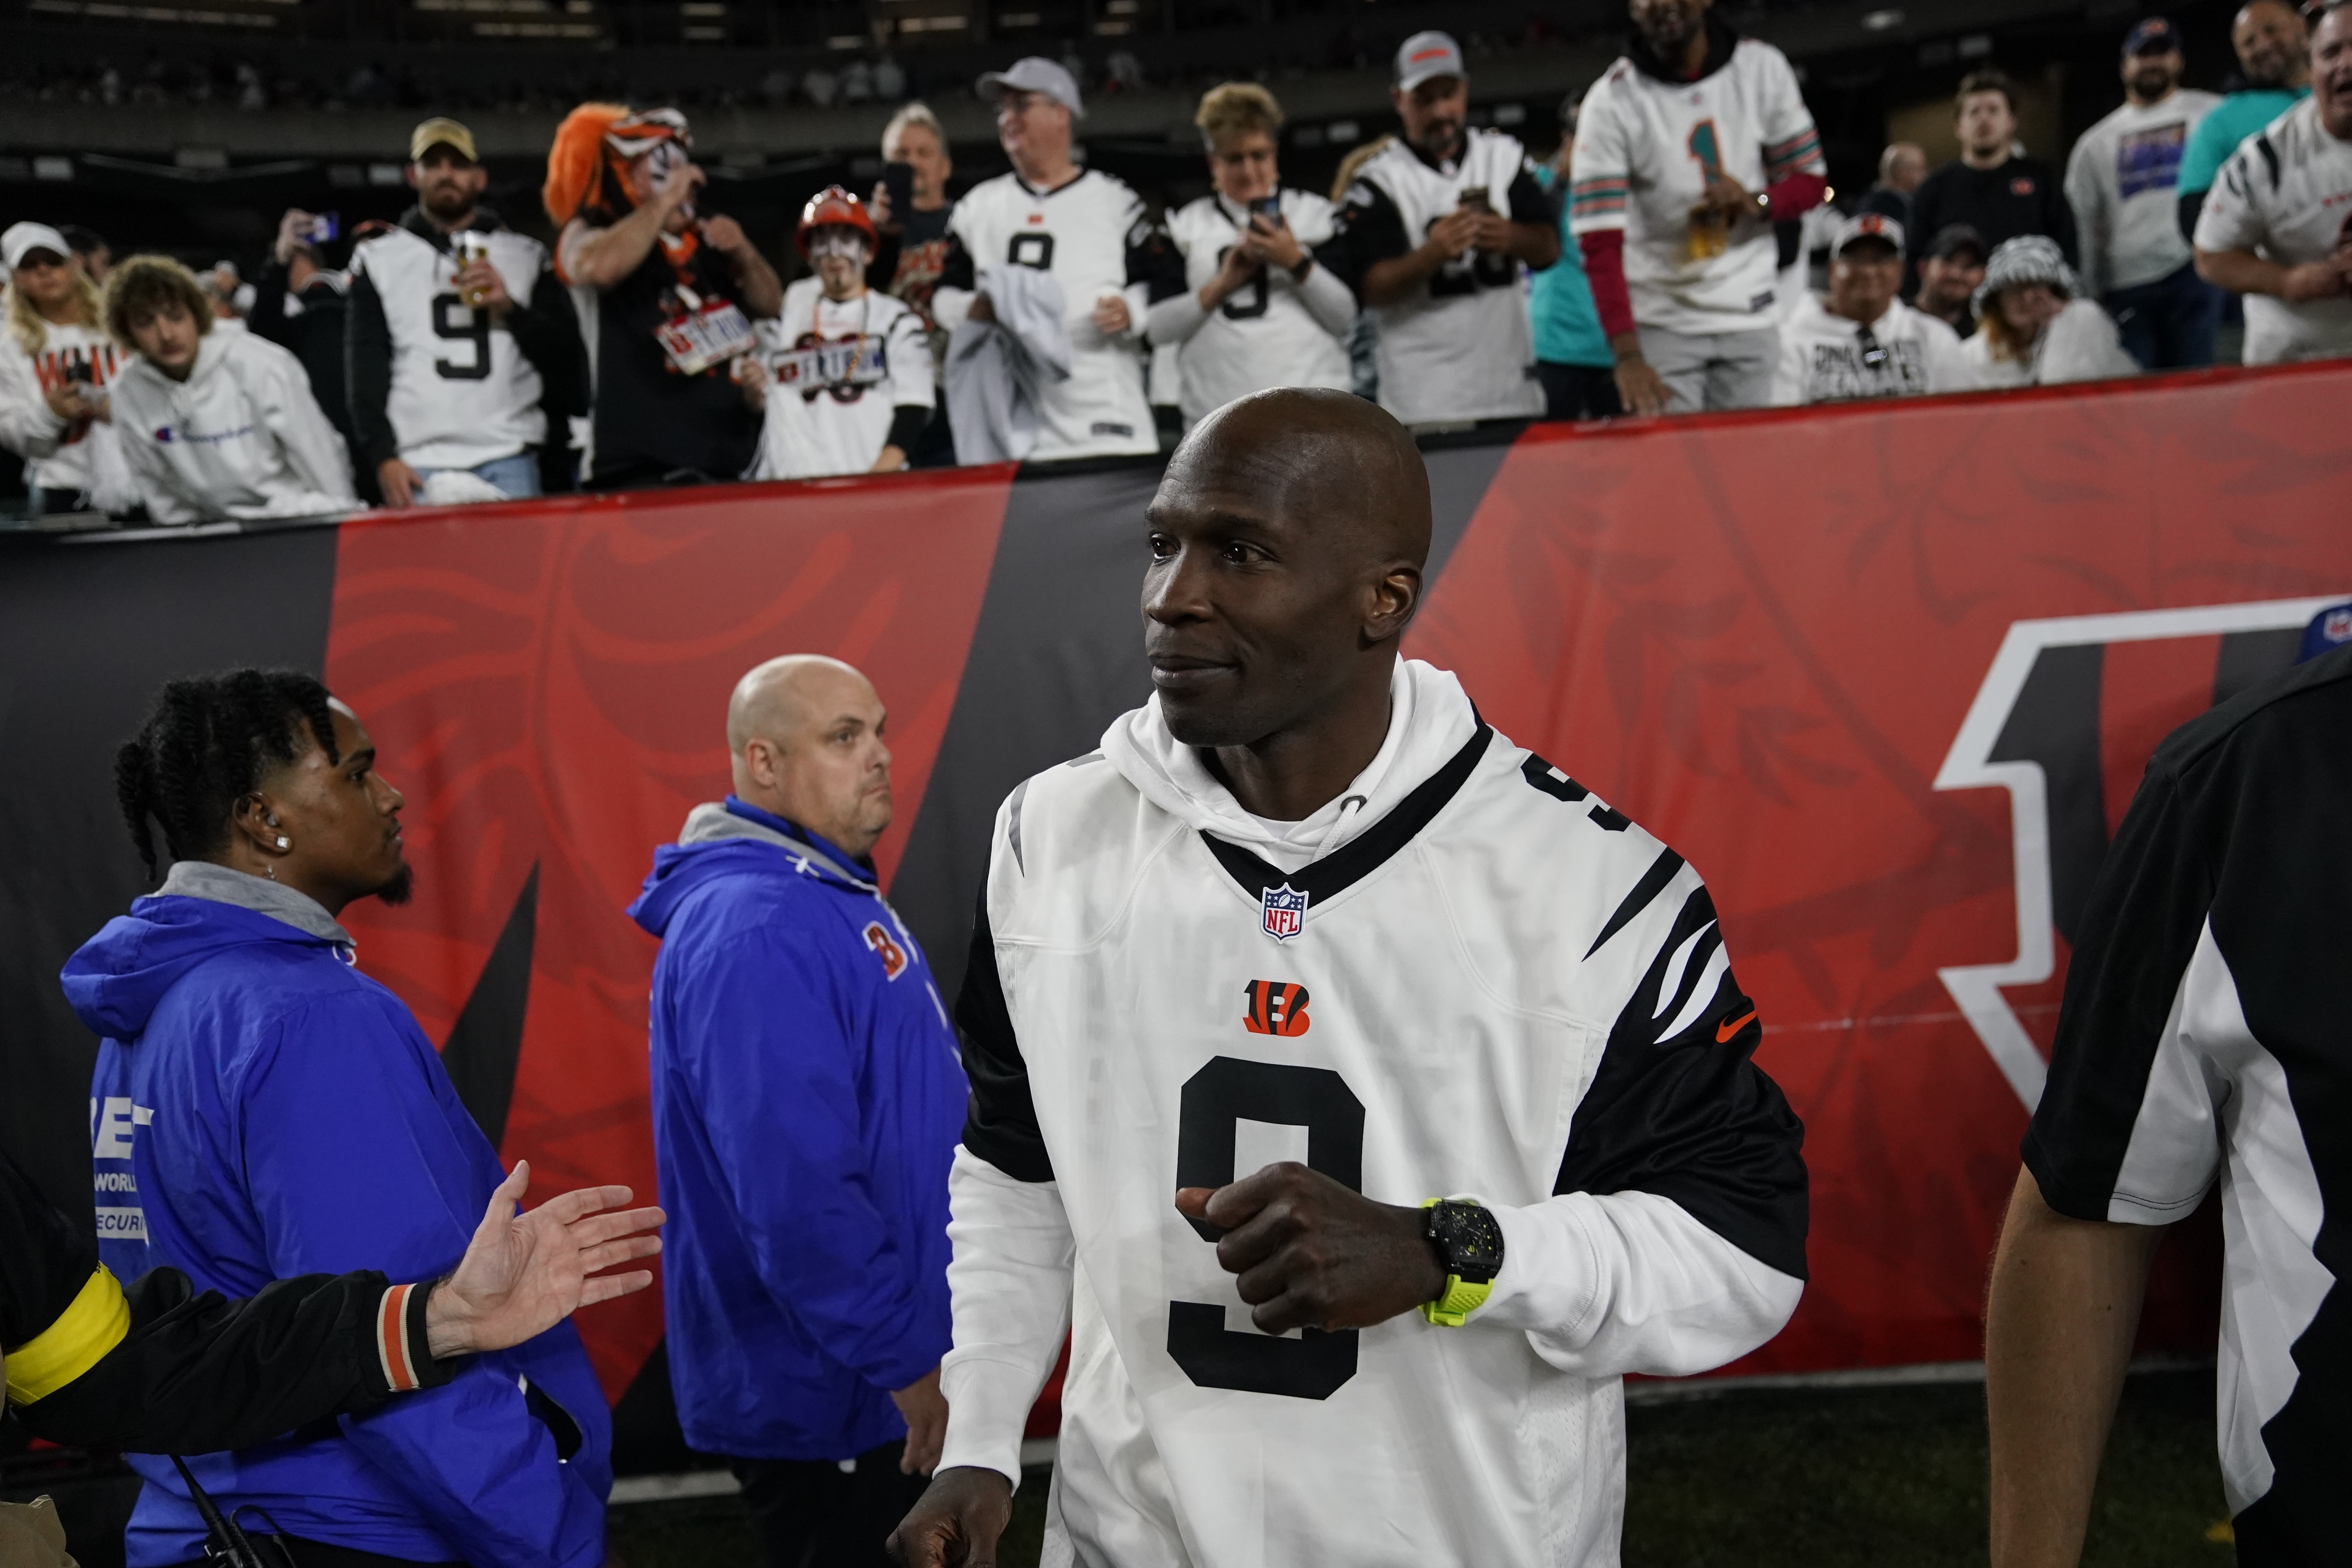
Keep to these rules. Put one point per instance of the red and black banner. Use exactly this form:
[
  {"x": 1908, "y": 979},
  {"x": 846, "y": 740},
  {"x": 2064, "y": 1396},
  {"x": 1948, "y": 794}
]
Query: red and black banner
[{"x": 1886, "y": 676}]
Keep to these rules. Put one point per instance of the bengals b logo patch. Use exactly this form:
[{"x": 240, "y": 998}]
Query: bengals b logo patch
[{"x": 1274, "y": 1007}]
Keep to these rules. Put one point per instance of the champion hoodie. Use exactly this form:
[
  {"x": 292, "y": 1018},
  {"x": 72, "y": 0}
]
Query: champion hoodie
[
  {"x": 241, "y": 437},
  {"x": 808, "y": 1099},
  {"x": 262, "y": 1109}
]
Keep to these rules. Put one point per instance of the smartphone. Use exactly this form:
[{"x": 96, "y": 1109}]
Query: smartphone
[
  {"x": 898, "y": 185},
  {"x": 1269, "y": 208},
  {"x": 1475, "y": 197},
  {"x": 326, "y": 229}
]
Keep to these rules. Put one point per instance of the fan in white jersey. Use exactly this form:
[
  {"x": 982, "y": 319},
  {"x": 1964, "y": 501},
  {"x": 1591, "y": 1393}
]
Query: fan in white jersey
[
  {"x": 56, "y": 361},
  {"x": 1092, "y": 234},
  {"x": 1307, "y": 922},
  {"x": 459, "y": 341},
  {"x": 1860, "y": 341},
  {"x": 1434, "y": 231},
  {"x": 1258, "y": 310},
  {"x": 1689, "y": 149},
  {"x": 844, "y": 371},
  {"x": 2277, "y": 225}
]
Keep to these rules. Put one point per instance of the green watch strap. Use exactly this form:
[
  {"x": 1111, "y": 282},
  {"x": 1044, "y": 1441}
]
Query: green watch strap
[
  {"x": 1460, "y": 1298},
  {"x": 1451, "y": 1309}
]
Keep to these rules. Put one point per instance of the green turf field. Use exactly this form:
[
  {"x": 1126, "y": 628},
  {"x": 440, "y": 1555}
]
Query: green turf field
[{"x": 1765, "y": 1478}]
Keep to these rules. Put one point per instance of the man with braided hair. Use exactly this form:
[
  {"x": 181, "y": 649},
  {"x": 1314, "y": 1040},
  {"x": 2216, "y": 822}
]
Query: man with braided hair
[
  {"x": 260, "y": 1110},
  {"x": 667, "y": 297}
]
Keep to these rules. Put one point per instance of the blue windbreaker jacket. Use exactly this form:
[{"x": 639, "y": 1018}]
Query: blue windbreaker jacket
[
  {"x": 807, "y": 1102},
  {"x": 260, "y": 1109}
]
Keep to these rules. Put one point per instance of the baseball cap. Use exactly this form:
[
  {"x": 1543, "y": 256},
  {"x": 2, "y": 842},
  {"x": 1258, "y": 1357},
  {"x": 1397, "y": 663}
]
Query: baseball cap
[
  {"x": 1955, "y": 237},
  {"x": 1035, "y": 73},
  {"x": 2150, "y": 36},
  {"x": 22, "y": 239},
  {"x": 1427, "y": 55},
  {"x": 1866, "y": 225},
  {"x": 441, "y": 132}
]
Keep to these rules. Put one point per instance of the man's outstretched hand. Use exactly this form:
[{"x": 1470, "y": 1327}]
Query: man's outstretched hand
[
  {"x": 524, "y": 1273},
  {"x": 1312, "y": 1253},
  {"x": 925, "y": 1410},
  {"x": 957, "y": 1521}
]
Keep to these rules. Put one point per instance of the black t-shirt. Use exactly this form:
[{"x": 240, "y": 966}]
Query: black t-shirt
[
  {"x": 651, "y": 421},
  {"x": 2023, "y": 196},
  {"x": 907, "y": 265},
  {"x": 2204, "y": 1038}
]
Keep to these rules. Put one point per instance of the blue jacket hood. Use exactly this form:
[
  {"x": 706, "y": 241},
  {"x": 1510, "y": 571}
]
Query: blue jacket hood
[
  {"x": 117, "y": 977},
  {"x": 732, "y": 838}
]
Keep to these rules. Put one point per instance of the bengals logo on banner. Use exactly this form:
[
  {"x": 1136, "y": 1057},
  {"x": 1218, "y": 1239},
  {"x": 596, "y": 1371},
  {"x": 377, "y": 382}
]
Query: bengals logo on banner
[{"x": 1275, "y": 1007}]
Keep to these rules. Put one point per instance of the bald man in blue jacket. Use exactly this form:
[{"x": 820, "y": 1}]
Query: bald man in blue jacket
[{"x": 807, "y": 1104}]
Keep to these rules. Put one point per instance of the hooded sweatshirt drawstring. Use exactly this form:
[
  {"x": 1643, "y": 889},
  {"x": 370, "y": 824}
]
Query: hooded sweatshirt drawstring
[{"x": 1430, "y": 719}]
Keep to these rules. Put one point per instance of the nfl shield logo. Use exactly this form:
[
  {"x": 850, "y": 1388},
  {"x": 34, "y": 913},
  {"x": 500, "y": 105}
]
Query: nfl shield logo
[{"x": 1285, "y": 912}]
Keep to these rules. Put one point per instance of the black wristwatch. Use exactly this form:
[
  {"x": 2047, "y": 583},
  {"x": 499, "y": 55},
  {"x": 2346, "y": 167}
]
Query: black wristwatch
[{"x": 1469, "y": 1247}]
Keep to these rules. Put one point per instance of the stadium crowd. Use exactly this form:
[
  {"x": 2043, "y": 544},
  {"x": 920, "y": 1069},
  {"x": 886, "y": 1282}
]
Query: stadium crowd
[{"x": 1661, "y": 261}]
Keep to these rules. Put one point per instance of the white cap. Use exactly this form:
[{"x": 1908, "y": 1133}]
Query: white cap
[
  {"x": 23, "y": 239},
  {"x": 1035, "y": 73},
  {"x": 1427, "y": 55},
  {"x": 1866, "y": 225}
]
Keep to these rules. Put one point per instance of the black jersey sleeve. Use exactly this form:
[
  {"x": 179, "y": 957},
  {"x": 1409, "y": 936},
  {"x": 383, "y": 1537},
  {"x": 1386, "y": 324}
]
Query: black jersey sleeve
[
  {"x": 547, "y": 331},
  {"x": 157, "y": 1367},
  {"x": 956, "y": 270},
  {"x": 1531, "y": 203},
  {"x": 1689, "y": 1116},
  {"x": 367, "y": 372},
  {"x": 2137, "y": 934},
  {"x": 1001, "y": 1124},
  {"x": 1369, "y": 229},
  {"x": 1153, "y": 260}
]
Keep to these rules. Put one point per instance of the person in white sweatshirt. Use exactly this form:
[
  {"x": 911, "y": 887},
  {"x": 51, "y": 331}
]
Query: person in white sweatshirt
[
  {"x": 2121, "y": 180},
  {"x": 1364, "y": 1095},
  {"x": 2033, "y": 325},
  {"x": 1858, "y": 341},
  {"x": 215, "y": 425},
  {"x": 56, "y": 365}
]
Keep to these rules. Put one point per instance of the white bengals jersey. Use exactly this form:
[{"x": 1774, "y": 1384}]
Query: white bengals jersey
[
  {"x": 2287, "y": 193},
  {"x": 1081, "y": 232},
  {"x": 1500, "y": 987},
  {"x": 463, "y": 392},
  {"x": 1643, "y": 149},
  {"x": 1460, "y": 348},
  {"x": 837, "y": 372},
  {"x": 59, "y": 455},
  {"x": 1263, "y": 335}
]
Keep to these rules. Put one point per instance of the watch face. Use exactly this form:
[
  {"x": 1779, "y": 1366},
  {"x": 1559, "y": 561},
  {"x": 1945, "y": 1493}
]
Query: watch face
[{"x": 1469, "y": 1239}]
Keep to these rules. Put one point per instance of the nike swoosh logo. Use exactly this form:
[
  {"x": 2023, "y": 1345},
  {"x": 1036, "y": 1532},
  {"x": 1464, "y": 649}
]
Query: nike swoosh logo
[{"x": 1724, "y": 1031}]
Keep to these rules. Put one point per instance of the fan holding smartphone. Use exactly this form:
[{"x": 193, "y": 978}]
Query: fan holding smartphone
[{"x": 1258, "y": 310}]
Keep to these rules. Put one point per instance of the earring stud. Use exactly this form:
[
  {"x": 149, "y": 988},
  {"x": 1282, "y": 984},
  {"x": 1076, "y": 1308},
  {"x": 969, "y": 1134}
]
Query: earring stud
[{"x": 283, "y": 842}]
